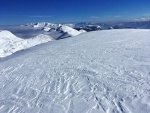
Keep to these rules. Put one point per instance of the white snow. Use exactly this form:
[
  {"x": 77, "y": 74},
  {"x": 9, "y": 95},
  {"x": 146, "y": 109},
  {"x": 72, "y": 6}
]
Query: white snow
[
  {"x": 6, "y": 36},
  {"x": 43, "y": 24},
  {"x": 96, "y": 72},
  {"x": 143, "y": 19},
  {"x": 82, "y": 31},
  {"x": 46, "y": 29},
  {"x": 70, "y": 25},
  {"x": 68, "y": 32},
  {"x": 36, "y": 25},
  {"x": 10, "y": 44}
]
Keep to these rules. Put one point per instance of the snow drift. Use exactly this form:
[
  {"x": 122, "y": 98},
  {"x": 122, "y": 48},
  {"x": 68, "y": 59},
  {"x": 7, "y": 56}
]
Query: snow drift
[{"x": 9, "y": 43}]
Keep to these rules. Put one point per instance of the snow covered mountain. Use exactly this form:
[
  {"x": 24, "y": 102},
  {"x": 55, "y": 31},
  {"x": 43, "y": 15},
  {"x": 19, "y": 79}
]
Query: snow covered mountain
[
  {"x": 42, "y": 24},
  {"x": 6, "y": 36},
  {"x": 143, "y": 19},
  {"x": 104, "y": 71},
  {"x": 140, "y": 23},
  {"x": 45, "y": 26},
  {"x": 67, "y": 32},
  {"x": 82, "y": 31},
  {"x": 89, "y": 28},
  {"x": 9, "y": 43}
]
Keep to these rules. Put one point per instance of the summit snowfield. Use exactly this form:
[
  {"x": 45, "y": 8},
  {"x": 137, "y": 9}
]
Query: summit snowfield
[{"x": 104, "y": 71}]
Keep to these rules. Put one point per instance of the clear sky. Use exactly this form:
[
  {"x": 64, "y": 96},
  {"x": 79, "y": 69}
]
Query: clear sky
[{"x": 25, "y": 11}]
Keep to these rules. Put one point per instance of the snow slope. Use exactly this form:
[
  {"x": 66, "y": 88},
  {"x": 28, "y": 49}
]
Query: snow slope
[
  {"x": 46, "y": 29},
  {"x": 82, "y": 31},
  {"x": 96, "y": 72},
  {"x": 67, "y": 32},
  {"x": 9, "y": 43},
  {"x": 7, "y": 36}
]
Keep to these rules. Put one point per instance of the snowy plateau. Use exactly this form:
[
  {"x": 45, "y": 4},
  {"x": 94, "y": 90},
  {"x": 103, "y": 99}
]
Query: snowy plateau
[{"x": 104, "y": 71}]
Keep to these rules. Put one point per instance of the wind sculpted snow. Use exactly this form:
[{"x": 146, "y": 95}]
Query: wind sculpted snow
[{"x": 97, "y": 72}]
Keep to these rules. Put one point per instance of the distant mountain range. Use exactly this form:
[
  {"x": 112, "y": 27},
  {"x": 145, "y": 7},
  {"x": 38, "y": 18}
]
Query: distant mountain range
[
  {"x": 139, "y": 23},
  {"x": 18, "y": 38},
  {"x": 143, "y": 19}
]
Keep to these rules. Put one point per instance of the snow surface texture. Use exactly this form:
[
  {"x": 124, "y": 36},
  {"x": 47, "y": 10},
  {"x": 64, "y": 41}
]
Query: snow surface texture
[
  {"x": 9, "y": 43},
  {"x": 97, "y": 72}
]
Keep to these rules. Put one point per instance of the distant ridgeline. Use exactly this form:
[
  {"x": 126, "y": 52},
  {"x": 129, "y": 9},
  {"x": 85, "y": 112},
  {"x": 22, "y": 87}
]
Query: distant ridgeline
[{"x": 137, "y": 24}]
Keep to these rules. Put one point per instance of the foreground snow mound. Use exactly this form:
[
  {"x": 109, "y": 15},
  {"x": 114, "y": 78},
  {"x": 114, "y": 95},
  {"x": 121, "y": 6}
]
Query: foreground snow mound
[
  {"x": 97, "y": 72},
  {"x": 68, "y": 32},
  {"x": 9, "y": 43}
]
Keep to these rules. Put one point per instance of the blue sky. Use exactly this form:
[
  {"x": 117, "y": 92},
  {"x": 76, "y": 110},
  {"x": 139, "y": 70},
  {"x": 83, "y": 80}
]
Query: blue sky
[{"x": 25, "y": 11}]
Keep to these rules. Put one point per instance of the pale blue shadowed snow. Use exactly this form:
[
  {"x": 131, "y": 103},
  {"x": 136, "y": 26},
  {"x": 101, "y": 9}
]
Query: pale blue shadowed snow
[{"x": 97, "y": 72}]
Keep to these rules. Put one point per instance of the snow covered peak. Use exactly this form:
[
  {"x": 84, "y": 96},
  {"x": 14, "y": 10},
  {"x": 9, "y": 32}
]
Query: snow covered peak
[
  {"x": 70, "y": 25},
  {"x": 7, "y": 35},
  {"x": 143, "y": 19},
  {"x": 82, "y": 31},
  {"x": 41, "y": 25},
  {"x": 46, "y": 29},
  {"x": 67, "y": 32},
  {"x": 9, "y": 43}
]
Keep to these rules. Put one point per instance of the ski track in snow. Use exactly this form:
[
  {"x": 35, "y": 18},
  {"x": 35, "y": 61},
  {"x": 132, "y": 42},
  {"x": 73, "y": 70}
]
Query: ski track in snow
[{"x": 97, "y": 72}]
